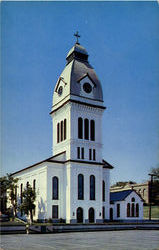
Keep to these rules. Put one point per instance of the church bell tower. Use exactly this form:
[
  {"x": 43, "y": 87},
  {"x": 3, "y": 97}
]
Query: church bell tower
[{"x": 77, "y": 109}]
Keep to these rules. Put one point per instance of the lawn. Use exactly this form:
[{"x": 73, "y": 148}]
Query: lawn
[{"x": 154, "y": 212}]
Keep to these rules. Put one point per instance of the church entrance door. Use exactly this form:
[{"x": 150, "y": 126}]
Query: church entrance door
[
  {"x": 91, "y": 215},
  {"x": 111, "y": 213},
  {"x": 79, "y": 215}
]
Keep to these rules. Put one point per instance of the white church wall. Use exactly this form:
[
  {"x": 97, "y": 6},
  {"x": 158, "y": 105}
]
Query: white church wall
[
  {"x": 37, "y": 173},
  {"x": 87, "y": 170},
  {"x": 123, "y": 208},
  {"x": 106, "y": 178},
  {"x": 78, "y": 110},
  {"x": 54, "y": 169}
]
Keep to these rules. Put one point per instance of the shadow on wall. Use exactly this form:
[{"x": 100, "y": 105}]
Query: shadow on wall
[{"x": 41, "y": 209}]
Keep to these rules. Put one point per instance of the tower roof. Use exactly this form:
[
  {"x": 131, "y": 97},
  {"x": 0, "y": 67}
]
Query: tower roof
[{"x": 76, "y": 73}]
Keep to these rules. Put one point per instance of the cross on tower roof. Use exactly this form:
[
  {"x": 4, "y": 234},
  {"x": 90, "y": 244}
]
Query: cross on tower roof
[{"x": 77, "y": 36}]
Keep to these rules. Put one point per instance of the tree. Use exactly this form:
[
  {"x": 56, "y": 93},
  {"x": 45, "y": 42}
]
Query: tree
[
  {"x": 27, "y": 204},
  {"x": 8, "y": 184}
]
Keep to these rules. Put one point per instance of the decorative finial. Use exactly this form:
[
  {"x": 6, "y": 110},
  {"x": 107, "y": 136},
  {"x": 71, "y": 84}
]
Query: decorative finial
[{"x": 77, "y": 36}]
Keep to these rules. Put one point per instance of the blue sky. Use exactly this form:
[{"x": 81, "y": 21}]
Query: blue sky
[{"x": 122, "y": 40}]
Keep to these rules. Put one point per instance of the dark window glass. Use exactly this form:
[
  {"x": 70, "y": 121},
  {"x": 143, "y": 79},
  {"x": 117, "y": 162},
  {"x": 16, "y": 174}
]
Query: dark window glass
[
  {"x": 103, "y": 212},
  {"x": 118, "y": 210},
  {"x": 80, "y": 128},
  {"x": 61, "y": 130},
  {"x": 34, "y": 184},
  {"x": 103, "y": 190},
  {"x": 133, "y": 199},
  {"x": 79, "y": 215},
  {"x": 91, "y": 215},
  {"x": 55, "y": 187},
  {"x": 82, "y": 153},
  {"x": 78, "y": 153},
  {"x": 128, "y": 210},
  {"x": 27, "y": 184},
  {"x": 58, "y": 133},
  {"x": 80, "y": 187},
  {"x": 65, "y": 129},
  {"x": 92, "y": 130},
  {"x": 132, "y": 210},
  {"x": 90, "y": 154},
  {"x": 55, "y": 212},
  {"x": 137, "y": 210},
  {"x": 92, "y": 187},
  {"x": 86, "y": 129},
  {"x": 94, "y": 154}
]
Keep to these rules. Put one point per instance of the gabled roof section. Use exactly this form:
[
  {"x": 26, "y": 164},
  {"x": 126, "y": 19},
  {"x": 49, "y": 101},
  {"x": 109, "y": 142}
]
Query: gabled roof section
[
  {"x": 84, "y": 76},
  {"x": 120, "y": 196},
  {"x": 107, "y": 165},
  {"x": 50, "y": 159}
]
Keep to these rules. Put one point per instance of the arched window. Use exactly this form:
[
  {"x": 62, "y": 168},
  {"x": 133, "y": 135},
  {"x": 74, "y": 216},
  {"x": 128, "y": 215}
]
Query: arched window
[
  {"x": 133, "y": 199},
  {"x": 128, "y": 210},
  {"x": 34, "y": 185},
  {"x": 61, "y": 130},
  {"x": 92, "y": 130},
  {"x": 92, "y": 187},
  {"x": 103, "y": 187},
  {"x": 79, "y": 215},
  {"x": 80, "y": 128},
  {"x": 91, "y": 215},
  {"x": 80, "y": 187},
  {"x": 65, "y": 129},
  {"x": 55, "y": 188},
  {"x": 86, "y": 129},
  {"x": 58, "y": 133},
  {"x": 132, "y": 210},
  {"x": 137, "y": 210}
]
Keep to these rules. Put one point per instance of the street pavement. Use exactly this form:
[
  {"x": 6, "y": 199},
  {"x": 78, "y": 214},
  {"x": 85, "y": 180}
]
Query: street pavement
[{"x": 109, "y": 240}]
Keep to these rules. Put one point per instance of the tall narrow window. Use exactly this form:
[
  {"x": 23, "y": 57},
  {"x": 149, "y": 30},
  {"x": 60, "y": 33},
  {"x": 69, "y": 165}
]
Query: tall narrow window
[
  {"x": 80, "y": 128},
  {"x": 34, "y": 185},
  {"x": 78, "y": 152},
  {"x": 132, "y": 210},
  {"x": 21, "y": 192},
  {"x": 82, "y": 153},
  {"x": 128, "y": 210},
  {"x": 27, "y": 184},
  {"x": 65, "y": 129},
  {"x": 61, "y": 130},
  {"x": 55, "y": 187},
  {"x": 118, "y": 210},
  {"x": 92, "y": 187},
  {"x": 86, "y": 129},
  {"x": 90, "y": 154},
  {"x": 103, "y": 184},
  {"x": 137, "y": 210},
  {"x": 55, "y": 212},
  {"x": 92, "y": 130},
  {"x": 94, "y": 154},
  {"x": 80, "y": 187},
  {"x": 58, "y": 133}
]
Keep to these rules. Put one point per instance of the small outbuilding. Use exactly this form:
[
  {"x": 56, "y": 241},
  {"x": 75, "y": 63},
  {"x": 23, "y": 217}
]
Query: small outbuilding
[{"x": 126, "y": 205}]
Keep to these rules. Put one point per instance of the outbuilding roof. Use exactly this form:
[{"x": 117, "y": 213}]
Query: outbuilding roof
[{"x": 119, "y": 196}]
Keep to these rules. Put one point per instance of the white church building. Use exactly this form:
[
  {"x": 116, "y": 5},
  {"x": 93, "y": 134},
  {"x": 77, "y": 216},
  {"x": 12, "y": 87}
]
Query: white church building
[{"x": 73, "y": 184}]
